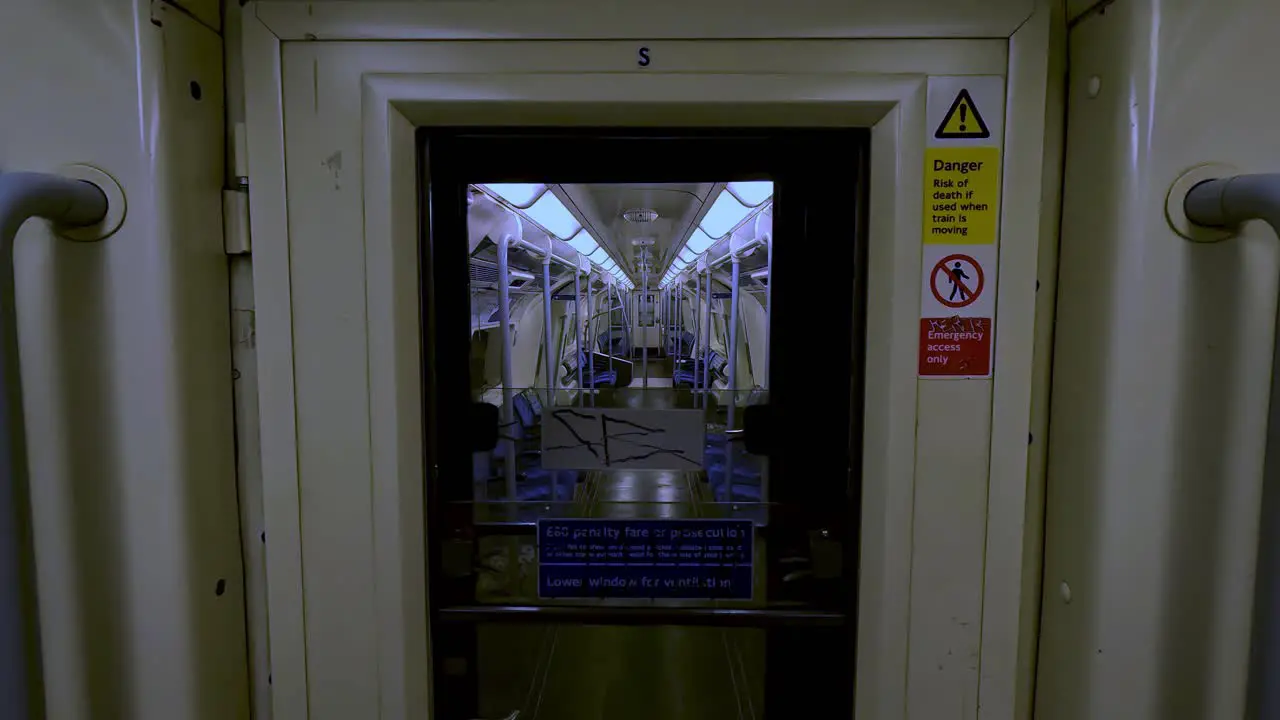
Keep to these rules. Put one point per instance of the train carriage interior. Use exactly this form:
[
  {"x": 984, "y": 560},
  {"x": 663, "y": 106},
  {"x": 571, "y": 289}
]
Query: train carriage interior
[
  {"x": 558, "y": 360},
  {"x": 647, "y": 336},
  {"x": 658, "y": 332}
]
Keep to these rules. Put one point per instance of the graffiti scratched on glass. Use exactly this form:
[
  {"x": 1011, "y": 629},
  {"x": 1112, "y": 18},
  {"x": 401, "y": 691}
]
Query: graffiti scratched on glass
[{"x": 607, "y": 438}]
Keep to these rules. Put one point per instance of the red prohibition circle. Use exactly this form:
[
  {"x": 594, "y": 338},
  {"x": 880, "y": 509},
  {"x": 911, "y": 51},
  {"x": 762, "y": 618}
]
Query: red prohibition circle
[{"x": 941, "y": 267}]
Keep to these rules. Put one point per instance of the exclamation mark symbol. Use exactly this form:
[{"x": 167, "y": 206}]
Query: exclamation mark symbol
[{"x": 964, "y": 110}]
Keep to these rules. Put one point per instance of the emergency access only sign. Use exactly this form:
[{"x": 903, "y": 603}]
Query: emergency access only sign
[{"x": 960, "y": 222}]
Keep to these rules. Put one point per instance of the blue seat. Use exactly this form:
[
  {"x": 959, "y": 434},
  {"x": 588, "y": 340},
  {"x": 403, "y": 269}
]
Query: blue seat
[
  {"x": 746, "y": 481},
  {"x": 680, "y": 345},
  {"x": 607, "y": 378},
  {"x": 742, "y": 492},
  {"x": 687, "y": 372},
  {"x": 543, "y": 485},
  {"x": 746, "y": 471},
  {"x": 526, "y": 415},
  {"x": 742, "y": 470},
  {"x": 717, "y": 362},
  {"x": 615, "y": 343},
  {"x": 593, "y": 378},
  {"x": 533, "y": 482},
  {"x": 691, "y": 372},
  {"x": 716, "y": 447}
]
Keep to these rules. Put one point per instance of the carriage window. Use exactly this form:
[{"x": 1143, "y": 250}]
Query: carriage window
[{"x": 618, "y": 534}]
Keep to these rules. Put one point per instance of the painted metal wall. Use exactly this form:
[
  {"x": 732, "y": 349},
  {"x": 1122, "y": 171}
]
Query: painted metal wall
[
  {"x": 668, "y": 19},
  {"x": 126, "y": 363},
  {"x": 1162, "y": 360}
]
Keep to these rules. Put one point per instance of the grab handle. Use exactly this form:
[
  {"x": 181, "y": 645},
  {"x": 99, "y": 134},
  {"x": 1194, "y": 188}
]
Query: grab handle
[
  {"x": 1226, "y": 203},
  {"x": 69, "y": 203}
]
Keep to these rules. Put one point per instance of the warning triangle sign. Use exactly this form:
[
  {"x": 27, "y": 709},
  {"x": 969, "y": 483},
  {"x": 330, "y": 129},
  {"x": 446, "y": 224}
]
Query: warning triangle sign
[{"x": 962, "y": 121}]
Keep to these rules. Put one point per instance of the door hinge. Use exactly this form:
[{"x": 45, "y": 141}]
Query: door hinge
[
  {"x": 235, "y": 200},
  {"x": 235, "y": 222}
]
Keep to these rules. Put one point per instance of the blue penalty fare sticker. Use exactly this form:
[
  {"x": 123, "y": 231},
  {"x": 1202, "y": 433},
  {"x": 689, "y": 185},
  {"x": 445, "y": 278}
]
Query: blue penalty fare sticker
[{"x": 673, "y": 559}]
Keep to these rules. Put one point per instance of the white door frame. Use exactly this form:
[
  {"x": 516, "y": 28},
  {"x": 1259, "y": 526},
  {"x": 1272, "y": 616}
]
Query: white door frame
[{"x": 333, "y": 192}]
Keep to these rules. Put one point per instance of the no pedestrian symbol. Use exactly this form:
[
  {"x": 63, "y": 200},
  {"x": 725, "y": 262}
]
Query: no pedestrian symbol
[{"x": 956, "y": 281}]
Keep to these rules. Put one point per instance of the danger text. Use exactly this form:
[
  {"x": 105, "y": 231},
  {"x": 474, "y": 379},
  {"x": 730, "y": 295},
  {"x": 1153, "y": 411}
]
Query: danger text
[{"x": 961, "y": 195}]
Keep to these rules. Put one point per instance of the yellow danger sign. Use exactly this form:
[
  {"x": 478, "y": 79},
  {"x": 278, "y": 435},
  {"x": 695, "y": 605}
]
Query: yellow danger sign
[
  {"x": 962, "y": 195},
  {"x": 962, "y": 121},
  {"x": 963, "y": 139}
]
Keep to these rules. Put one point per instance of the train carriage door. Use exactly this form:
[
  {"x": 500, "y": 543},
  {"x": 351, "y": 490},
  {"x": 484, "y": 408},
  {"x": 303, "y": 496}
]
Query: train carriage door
[{"x": 660, "y": 531}]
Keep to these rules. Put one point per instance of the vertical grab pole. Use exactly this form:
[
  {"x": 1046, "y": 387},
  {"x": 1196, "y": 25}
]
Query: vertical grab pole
[
  {"x": 677, "y": 315},
  {"x": 508, "y": 410},
  {"x": 1226, "y": 203},
  {"x": 698, "y": 324},
  {"x": 583, "y": 356},
  {"x": 768, "y": 305},
  {"x": 768, "y": 344},
  {"x": 679, "y": 319},
  {"x": 659, "y": 318},
  {"x": 548, "y": 339},
  {"x": 706, "y": 346},
  {"x": 609, "y": 287},
  {"x": 74, "y": 203},
  {"x": 664, "y": 337},
  {"x": 625, "y": 300},
  {"x": 672, "y": 313},
  {"x": 644, "y": 297},
  {"x": 589, "y": 339},
  {"x": 733, "y": 373}
]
